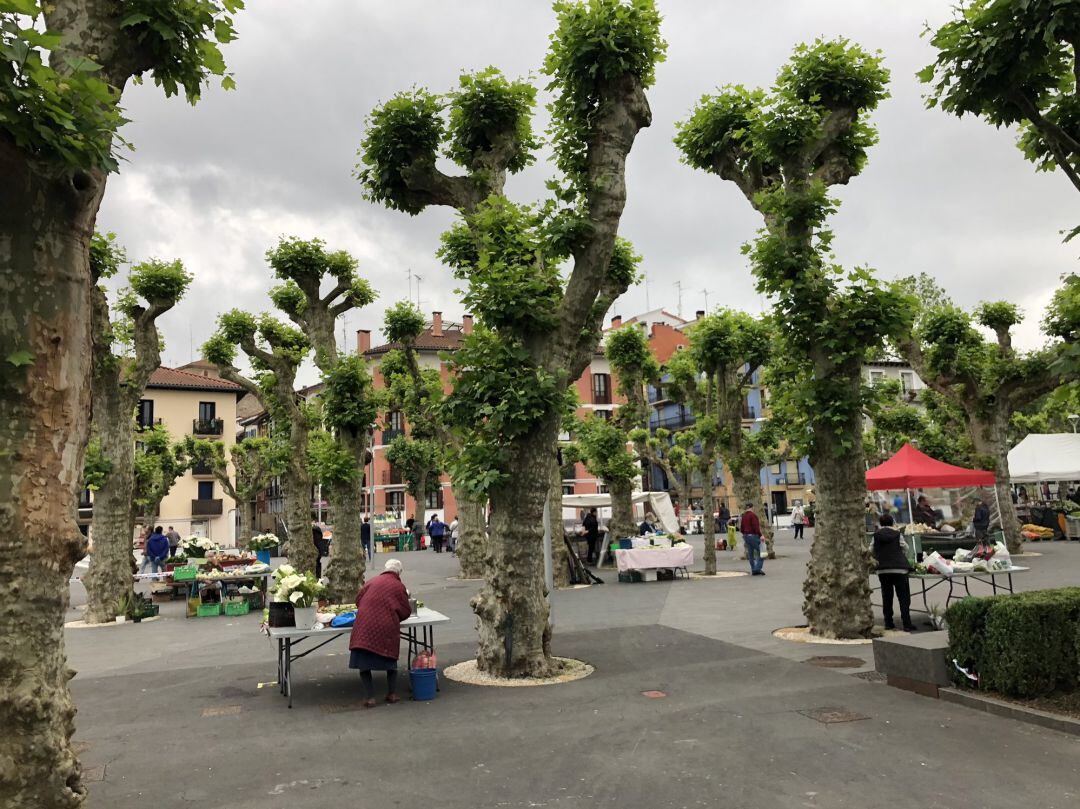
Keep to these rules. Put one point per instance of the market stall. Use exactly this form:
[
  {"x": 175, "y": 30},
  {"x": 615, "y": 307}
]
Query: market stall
[
  {"x": 908, "y": 470},
  {"x": 654, "y": 558},
  {"x": 1048, "y": 458},
  {"x": 418, "y": 631},
  {"x": 389, "y": 535}
]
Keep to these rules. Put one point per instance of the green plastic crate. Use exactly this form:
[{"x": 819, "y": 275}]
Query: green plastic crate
[
  {"x": 206, "y": 610},
  {"x": 185, "y": 573},
  {"x": 238, "y": 608}
]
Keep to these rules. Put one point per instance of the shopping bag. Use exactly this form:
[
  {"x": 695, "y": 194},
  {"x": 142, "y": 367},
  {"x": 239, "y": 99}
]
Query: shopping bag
[
  {"x": 936, "y": 563},
  {"x": 425, "y": 660}
]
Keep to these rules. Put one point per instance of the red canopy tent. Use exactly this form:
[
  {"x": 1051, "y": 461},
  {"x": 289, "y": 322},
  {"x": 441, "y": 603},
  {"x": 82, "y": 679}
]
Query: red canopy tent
[{"x": 911, "y": 469}]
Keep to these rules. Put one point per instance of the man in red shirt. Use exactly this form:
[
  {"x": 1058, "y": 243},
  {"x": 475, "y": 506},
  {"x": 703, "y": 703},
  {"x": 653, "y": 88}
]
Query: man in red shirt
[{"x": 750, "y": 527}]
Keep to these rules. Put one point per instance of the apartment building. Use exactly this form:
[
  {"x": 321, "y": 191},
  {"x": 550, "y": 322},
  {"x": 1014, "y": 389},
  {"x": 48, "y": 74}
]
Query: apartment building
[{"x": 194, "y": 400}]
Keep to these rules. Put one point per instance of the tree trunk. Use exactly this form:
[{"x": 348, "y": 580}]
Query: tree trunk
[
  {"x": 709, "y": 503},
  {"x": 297, "y": 484},
  {"x": 113, "y": 526},
  {"x": 347, "y": 556},
  {"x": 559, "y": 560},
  {"x": 747, "y": 490},
  {"x": 836, "y": 592},
  {"x": 991, "y": 444},
  {"x": 472, "y": 536},
  {"x": 512, "y": 607},
  {"x": 46, "y": 220},
  {"x": 622, "y": 510},
  {"x": 246, "y": 511}
]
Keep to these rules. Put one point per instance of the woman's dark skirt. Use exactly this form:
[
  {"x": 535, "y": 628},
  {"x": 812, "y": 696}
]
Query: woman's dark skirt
[{"x": 369, "y": 661}]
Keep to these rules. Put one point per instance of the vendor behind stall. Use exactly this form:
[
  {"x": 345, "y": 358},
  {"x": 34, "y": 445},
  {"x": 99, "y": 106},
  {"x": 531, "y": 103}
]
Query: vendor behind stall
[
  {"x": 381, "y": 606},
  {"x": 924, "y": 513}
]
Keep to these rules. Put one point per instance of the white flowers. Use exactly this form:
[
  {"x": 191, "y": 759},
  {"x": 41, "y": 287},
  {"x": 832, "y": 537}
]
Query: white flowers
[
  {"x": 302, "y": 590},
  {"x": 199, "y": 546},
  {"x": 295, "y": 596}
]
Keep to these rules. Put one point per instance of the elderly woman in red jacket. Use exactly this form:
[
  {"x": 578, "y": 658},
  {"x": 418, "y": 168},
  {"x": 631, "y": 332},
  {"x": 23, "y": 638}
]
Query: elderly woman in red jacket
[{"x": 381, "y": 606}]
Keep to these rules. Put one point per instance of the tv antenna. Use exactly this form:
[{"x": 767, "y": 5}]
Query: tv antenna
[
  {"x": 418, "y": 278},
  {"x": 705, "y": 292},
  {"x": 678, "y": 286}
]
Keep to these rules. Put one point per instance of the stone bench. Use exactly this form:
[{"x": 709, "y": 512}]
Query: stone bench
[{"x": 915, "y": 662}]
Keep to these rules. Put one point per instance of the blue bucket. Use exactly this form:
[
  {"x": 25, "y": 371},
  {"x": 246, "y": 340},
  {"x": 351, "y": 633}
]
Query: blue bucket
[
  {"x": 423, "y": 683},
  {"x": 263, "y": 556}
]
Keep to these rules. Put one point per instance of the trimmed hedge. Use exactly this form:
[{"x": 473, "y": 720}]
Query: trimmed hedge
[{"x": 1023, "y": 645}]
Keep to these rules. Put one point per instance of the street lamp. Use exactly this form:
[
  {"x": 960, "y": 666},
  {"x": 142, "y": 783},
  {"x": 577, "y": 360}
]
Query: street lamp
[{"x": 1073, "y": 418}]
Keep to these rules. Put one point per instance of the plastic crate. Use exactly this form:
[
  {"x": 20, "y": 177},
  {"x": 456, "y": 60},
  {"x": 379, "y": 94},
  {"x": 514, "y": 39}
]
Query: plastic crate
[
  {"x": 185, "y": 573},
  {"x": 237, "y": 608},
  {"x": 206, "y": 610}
]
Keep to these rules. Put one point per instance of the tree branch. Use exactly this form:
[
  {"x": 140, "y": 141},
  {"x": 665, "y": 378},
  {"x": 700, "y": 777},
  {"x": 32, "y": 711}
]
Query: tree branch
[{"x": 429, "y": 186}]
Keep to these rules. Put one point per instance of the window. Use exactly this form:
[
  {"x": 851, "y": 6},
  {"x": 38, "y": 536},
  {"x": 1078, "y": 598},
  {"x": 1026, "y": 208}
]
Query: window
[
  {"x": 604, "y": 414},
  {"x": 435, "y": 496},
  {"x": 775, "y": 468},
  {"x": 907, "y": 381},
  {"x": 207, "y": 411},
  {"x": 601, "y": 388},
  {"x": 206, "y": 490},
  {"x": 877, "y": 377},
  {"x": 396, "y": 420},
  {"x": 145, "y": 414},
  {"x": 395, "y": 501}
]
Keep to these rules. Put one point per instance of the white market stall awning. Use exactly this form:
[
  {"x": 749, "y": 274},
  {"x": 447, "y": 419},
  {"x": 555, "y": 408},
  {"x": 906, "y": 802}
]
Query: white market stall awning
[
  {"x": 1045, "y": 456},
  {"x": 657, "y": 502}
]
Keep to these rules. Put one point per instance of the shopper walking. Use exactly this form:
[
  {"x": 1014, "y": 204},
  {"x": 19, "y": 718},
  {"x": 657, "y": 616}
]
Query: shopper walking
[
  {"x": 174, "y": 540},
  {"x": 798, "y": 521},
  {"x": 437, "y": 531},
  {"x": 365, "y": 537},
  {"x": 375, "y": 643},
  {"x": 417, "y": 535},
  {"x": 156, "y": 552},
  {"x": 322, "y": 547},
  {"x": 455, "y": 526},
  {"x": 750, "y": 527},
  {"x": 592, "y": 535},
  {"x": 892, "y": 572},
  {"x": 980, "y": 521}
]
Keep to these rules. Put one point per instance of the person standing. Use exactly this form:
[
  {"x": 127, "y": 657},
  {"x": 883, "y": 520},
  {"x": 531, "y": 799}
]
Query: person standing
[
  {"x": 365, "y": 537},
  {"x": 437, "y": 531},
  {"x": 174, "y": 540},
  {"x": 455, "y": 526},
  {"x": 156, "y": 552},
  {"x": 892, "y": 571},
  {"x": 980, "y": 521},
  {"x": 924, "y": 512},
  {"x": 592, "y": 536},
  {"x": 725, "y": 515},
  {"x": 322, "y": 547},
  {"x": 750, "y": 527},
  {"x": 798, "y": 520},
  {"x": 417, "y": 535},
  {"x": 375, "y": 643}
]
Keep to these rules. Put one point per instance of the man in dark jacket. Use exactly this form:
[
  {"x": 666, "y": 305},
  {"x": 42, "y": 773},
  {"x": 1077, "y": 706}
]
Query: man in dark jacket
[
  {"x": 322, "y": 547},
  {"x": 892, "y": 571},
  {"x": 156, "y": 551},
  {"x": 592, "y": 534},
  {"x": 750, "y": 527},
  {"x": 437, "y": 531},
  {"x": 981, "y": 520},
  {"x": 924, "y": 513},
  {"x": 365, "y": 536}
]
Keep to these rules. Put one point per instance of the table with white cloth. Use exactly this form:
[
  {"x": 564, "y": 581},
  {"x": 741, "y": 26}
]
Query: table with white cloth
[
  {"x": 647, "y": 561},
  {"x": 416, "y": 630}
]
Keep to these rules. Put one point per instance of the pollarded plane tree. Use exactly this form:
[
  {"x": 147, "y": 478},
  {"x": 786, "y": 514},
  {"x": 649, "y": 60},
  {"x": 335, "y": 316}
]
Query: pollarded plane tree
[
  {"x": 275, "y": 352},
  {"x": 63, "y": 67},
  {"x": 127, "y": 350},
  {"x": 159, "y": 461},
  {"x": 602, "y": 446},
  {"x": 990, "y": 380},
  {"x": 347, "y": 401},
  {"x": 243, "y": 470},
  {"x": 714, "y": 377},
  {"x": 783, "y": 149},
  {"x": 1015, "y": 62},
  {"x": 539, "y": 331}
]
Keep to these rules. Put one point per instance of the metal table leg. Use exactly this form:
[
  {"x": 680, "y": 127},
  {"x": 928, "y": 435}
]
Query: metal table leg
[{"x": 288, "y": 669}]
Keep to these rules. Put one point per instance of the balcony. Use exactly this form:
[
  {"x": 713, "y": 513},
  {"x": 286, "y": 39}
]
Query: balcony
[
  {"x": 794, "y": 479},
  {"x": 390, "y": 435},
  {"x": 149, "y": 424},
  {"x": 205, "y": 508},
  {"x": 207, "y": 427},
  {"x": 749, "y": 412},
  {"x": 676, "y": 422},
  {"x": 202, "y": 470}
]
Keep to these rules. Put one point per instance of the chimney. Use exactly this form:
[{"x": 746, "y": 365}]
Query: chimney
[
  {"x": 436, "y": 324},
  {"x": 363, "y": 340},
  {"x": 616, "y": 321},
  {"x": 466, "y": 324},
  {"x": 700, "y": 313}
]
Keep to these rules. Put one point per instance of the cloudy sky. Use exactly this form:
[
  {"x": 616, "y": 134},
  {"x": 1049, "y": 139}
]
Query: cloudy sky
[{"x": 215, "y": 185}]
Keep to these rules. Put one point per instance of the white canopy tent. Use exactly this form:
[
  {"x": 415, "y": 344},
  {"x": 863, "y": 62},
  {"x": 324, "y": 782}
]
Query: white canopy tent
[
  {"x": 659, "y": 503},
  {"x": 1045, "y": 457}
]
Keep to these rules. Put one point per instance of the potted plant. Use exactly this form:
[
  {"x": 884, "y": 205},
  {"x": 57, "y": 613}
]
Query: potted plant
[
  {"x": 263, "y": 544},
  {"x": 196, "y": 547},
  {"x": 301, "y": 590},
  {"x": 124, "y": 607}
]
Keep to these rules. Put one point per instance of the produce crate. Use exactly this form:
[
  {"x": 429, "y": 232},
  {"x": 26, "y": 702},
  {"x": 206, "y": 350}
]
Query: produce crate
[
  {"x": 1072, "y": 525},
  {"x": 150, "y": 610},
  {"x": 185, "y": 573},
  {"x": 237, "y": 608},
  {"x": 254, "y": 600},
  {"x": 206, "y": 610}
]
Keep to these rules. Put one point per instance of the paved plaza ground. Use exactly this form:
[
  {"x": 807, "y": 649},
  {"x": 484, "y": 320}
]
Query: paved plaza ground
[{"x": 180, "y": 712}]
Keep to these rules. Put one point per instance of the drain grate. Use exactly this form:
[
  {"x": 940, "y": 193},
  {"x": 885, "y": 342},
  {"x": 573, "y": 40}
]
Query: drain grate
[
  {"x": 836, "y": 662},
  {"x": 94, "y": 773},
  {"x": 872, "y": 676},
  {"x": 221, "y": 710},
  {"x": 830, "y": 716}
]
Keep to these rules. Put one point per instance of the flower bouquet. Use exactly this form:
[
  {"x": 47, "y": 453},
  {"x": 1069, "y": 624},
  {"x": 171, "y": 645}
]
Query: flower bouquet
[
  {"x": 301, "y": 590},
  {"x": 198, "y": 547},
  {"x": 263, "y": 542}
]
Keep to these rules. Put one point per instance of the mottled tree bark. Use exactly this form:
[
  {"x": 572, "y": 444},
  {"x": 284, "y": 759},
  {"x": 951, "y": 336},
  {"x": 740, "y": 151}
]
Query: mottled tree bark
[
  {"x": 748, "y": 490},
  {"x": 245, "y": 510},
  {"x": 472, "y": 536},
  {"x": 46, "y": 221},
  {"x": 297, "y": 484},
  {"x": 622, "y": 510},
  {"x": 419, "y": 493},
  {"x": 512, "y": 607},
  {"x": 989, "y": 435},
  {"x": 560, "y": 566},
  {"x": 709, "y": 504},
  {"x": 347, "y": 552},
  {"x": 836, "y": 592}
]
